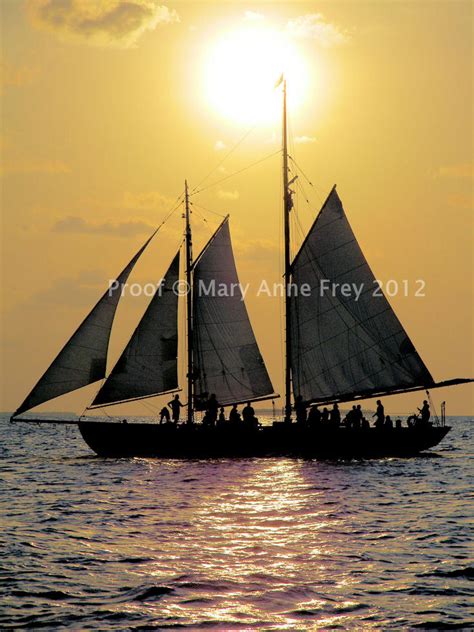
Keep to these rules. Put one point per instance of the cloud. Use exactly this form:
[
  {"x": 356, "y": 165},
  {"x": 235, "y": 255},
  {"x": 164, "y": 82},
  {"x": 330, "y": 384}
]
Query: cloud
[
  {"x": 253, "y": 250},
  {"x": 303, "y": 140},
  {"x": 146, "y": 201},
  {"x": 83, "y": 289},
  {"x": 463, "y": 170},
  {"x": 313, "y": 26},
  {"x": 228, "y": 195},
  {"x": 253, "y": 16},
  {"x": 219, "y": 145},
  {"x": 49, "y": 167},
  {"x": 116, "y": 23},
  {"x": 74, "y": 225}
]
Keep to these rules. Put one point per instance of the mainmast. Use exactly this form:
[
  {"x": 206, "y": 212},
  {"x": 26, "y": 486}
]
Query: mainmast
[
  {"x": 287, "y": 203},
  {"x": 189, "y": 305}
]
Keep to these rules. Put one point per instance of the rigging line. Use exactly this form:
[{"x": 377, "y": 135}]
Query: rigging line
[
  {"x": 301, "y": 171},
  {"x": 176, "y": 204},
  {"x": 208, "y": 210},
  {"x": 235, "y": 173},
  {"x": 231, "y": 151},
  {"x": 316, "y": 192},
  {"x": 428, "y": 394},
  {"x": 299, "y": 227},
  {"x": 200, "y": 216},
  {"x": 303, "y": 192}
]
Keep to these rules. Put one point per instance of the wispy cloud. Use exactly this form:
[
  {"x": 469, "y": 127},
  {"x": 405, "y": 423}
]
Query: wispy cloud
[
  {"x": 219, "y": 145},
  {"x": 462, "y": 170},
  {"x": 253, "y": 16},
  {"x": 314, "y": 26},
  {"x": 303, "y": 140},
  {"x": 145, "y": 201},
  {"x": 118, "y": 23},
  {"x": 255, "y": 250},
  {"x": 72, "y": 292},
  {"x": 228, "y": 195},
  {"x": 75, "y": 224},
  {"x": 50, "y": 167}
]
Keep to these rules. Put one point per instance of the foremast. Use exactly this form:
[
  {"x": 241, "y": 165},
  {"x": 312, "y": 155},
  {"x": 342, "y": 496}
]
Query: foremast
[
  {"x": 287, "y": 204},
  {"x": 189, "y": 305}
]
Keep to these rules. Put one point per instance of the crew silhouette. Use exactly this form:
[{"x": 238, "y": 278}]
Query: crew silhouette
[{"x": 175, "y": 406}]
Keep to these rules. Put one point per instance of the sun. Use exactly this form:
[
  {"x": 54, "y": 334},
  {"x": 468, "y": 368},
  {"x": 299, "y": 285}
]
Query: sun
[{"x": 241, "y": 70}]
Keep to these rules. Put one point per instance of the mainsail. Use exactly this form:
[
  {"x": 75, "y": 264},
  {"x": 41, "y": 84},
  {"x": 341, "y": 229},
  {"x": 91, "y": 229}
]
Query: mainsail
[
  {"x": 342, "y": 346},
  {"x": 83, "y": 358},
  {"x": 148, "y": 365},
  {"x": 227, "y": 360}
]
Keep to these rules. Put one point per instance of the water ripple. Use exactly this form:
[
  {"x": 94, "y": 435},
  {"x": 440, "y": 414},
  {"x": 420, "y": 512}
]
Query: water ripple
[{"x": 247, "y": 544}]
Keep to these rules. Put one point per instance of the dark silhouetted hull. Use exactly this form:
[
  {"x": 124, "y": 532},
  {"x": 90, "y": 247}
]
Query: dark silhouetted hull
[{"x": 110, "y": 439}]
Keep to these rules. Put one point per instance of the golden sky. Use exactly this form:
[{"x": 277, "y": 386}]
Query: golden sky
[{"x": 107, "y": 107}]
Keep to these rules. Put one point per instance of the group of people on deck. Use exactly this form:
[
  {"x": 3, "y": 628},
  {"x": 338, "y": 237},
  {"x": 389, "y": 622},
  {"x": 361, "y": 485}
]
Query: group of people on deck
[
  {"x": 355, "y": 417},
  {"x": 214, "y": 413}
]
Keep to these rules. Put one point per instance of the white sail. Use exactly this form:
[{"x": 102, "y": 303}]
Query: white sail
[
  {"x": 227, "y": 360},
  {"x": 341, "y": 345},
  {"x": 83, "y": 358},
  {"x": 148, "y": 366}
]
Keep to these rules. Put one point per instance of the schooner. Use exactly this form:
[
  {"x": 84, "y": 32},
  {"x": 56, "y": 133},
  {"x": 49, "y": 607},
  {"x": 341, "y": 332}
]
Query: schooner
[{"x": 337, "y": 349}]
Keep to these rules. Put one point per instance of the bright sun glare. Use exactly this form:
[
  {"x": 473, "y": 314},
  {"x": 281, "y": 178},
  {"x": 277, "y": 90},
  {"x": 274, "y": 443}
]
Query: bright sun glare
[{"x": 241, "y": 71}]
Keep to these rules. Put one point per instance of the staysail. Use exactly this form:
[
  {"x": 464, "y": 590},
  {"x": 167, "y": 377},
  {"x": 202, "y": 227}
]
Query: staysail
[
  {"x": 227, "y": 360},
  {"x": 343, "y": 345},
  {"x": 83, "y": 358},
  {"x": 148, "y": 366}
]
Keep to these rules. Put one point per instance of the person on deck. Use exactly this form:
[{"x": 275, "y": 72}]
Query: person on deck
[
  {"x": 300, "y": 410},
  {"x": 314, "y": 417},
  {"x": 356, "y": 417},
  {"x": 175, "y": 406},
  {"x": 388, "y": 423},
  {"x": 212, "y": 408},
  {"x": 234, "y": 415},
  {"x": 425, "y": 412},
  {"x": 248, "y": 416},
  {"x": 164, "y": 415},
  {"x": 325, "y": 416},
  {"x": 335, "y": 416},
  {"x": 248, "y": 413},
  {"x": 221, "y": 415},
  {"x": 349, "y": 419},
  {"x": 379, "y": 414}
]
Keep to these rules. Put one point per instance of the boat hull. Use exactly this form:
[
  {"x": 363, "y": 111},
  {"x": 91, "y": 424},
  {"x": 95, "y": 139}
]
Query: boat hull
[{"x": 110, "y": 439}]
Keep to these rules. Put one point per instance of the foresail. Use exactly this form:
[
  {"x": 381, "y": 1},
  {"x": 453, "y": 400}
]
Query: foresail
[
  {"x": 345, "y": 345},
  {"x": 227, "y": 360},
  {"x": 148, "y": 365},
  {"x": 83, "y": 358}
]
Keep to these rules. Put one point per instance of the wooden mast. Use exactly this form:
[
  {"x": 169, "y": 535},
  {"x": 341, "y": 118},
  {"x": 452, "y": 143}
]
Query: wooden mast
[
  {"x": 286, "y": 223},
  {"x": 189, "y": 305}
]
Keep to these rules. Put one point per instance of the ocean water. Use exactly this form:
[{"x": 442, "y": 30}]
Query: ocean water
[{"x": 272, "y": 544}]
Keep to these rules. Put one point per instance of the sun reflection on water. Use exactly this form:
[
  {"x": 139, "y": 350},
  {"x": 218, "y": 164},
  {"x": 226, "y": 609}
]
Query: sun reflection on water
[{"x": 237, "y": 544}]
